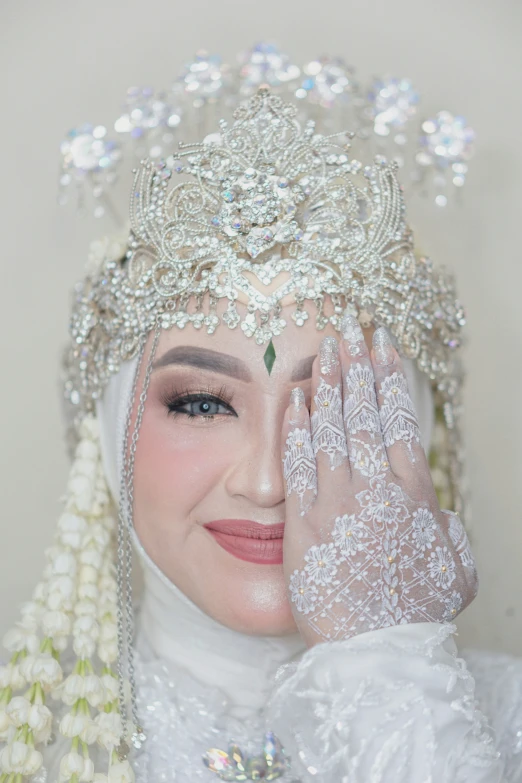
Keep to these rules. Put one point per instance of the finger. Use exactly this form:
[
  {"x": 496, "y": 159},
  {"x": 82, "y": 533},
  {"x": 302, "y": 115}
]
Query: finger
[
  {"x": 400, "y": 428},
  {"x": 454, "y": 531},
  {"x": 326, "y": 419},
  {"x": 366, "y": 451},
  {"x": 299, "y": 467}
]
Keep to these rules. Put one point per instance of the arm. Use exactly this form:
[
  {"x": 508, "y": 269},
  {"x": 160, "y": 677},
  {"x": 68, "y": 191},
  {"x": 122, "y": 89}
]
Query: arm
[
  {"x": 375, "y": 569},
  {"x": 389, "y": 706}
]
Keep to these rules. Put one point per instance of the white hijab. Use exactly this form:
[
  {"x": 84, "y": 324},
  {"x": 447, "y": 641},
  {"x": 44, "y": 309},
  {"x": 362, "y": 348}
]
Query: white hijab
[{"x": 170, "y": 625}]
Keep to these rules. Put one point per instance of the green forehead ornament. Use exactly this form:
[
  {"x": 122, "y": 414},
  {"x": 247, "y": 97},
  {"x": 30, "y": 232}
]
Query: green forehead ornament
[{"x": 269, "y": 357}]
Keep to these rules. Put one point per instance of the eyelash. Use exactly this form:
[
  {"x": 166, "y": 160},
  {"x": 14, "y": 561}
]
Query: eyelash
[{"x": 174, "y": 400}]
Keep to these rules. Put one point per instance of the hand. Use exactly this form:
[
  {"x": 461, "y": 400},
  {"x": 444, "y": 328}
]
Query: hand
[{"x": 366, "y": 545}]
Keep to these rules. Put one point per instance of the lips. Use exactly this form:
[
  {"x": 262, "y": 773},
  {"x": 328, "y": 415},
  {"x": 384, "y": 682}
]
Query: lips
[{"x": 250, "y": 541}]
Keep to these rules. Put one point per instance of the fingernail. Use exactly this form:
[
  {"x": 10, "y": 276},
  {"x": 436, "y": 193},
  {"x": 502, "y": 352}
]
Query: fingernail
[
  {"x": 328, "y": 355},
  {"x": 297, "y": 398},
  {"x": 382, "y": 345},
  {"x": 353, "y": 334}
]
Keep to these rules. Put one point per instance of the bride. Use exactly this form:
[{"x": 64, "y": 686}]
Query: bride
[{"x": 256, "y": 376}]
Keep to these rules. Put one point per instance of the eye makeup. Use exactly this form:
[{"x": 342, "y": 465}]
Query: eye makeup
[{"x": 197, "y": 402}]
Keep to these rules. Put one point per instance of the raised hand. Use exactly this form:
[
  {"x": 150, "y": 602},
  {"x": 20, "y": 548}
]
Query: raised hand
[{"x": 366, "y": 544}]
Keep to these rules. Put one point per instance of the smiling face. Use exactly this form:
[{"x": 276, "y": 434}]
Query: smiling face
[{"x": 208, "y": 484}]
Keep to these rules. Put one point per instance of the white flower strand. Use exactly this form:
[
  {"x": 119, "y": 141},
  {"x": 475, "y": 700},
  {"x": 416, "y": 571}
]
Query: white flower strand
[{"x": 76, "y": 600}]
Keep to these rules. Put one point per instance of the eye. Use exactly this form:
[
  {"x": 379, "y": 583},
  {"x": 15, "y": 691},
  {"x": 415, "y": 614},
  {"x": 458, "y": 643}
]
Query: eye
[{"x": 201, "y": 405}]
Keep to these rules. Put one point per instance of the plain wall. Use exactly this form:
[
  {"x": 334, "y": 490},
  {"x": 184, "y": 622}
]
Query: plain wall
[{"x": 62, "y": 63}]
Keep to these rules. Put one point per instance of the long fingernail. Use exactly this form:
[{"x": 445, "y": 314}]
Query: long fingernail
[
  {"x": 382, "y": 345},
  {"x": 297, "y": 399},
  {"x": 353, "y": 334},
  {"x": 328, "y": 355}
]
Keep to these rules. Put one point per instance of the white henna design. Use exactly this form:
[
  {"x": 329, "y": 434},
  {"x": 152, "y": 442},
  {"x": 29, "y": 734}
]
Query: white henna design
[
  {"x": 361, "y": 413},
  {"x": 460, "y": 540},
  {"x": 367, "y": 458},
  {"x": 327, "y": 423},
  {"x": 383, "y": 504},
  {"x": 299, "y": 467},
  {"x": 398, "y": 418},
  {"x": 387, "y": 564}
]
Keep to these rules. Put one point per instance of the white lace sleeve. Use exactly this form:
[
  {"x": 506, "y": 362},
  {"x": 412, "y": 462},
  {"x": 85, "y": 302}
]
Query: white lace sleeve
[{"x": 394, "y": 705}]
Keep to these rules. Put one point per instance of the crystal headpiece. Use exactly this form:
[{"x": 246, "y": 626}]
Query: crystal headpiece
[{"x": 268, "y": 209}]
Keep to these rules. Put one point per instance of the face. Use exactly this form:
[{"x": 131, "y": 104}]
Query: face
[{"x": 208, "y": 484}]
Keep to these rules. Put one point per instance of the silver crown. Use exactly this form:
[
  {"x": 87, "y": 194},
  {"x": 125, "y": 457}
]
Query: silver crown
[{"x": 432, "y": 151}]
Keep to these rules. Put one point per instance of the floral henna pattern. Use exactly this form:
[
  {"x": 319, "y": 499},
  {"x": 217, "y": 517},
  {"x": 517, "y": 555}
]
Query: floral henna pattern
[
  {"x": 386, "y": 560},
  {"x": 327, "y": 423}
]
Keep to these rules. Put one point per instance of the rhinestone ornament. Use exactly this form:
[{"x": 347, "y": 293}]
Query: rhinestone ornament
[
  {"x": 234, "y": 765},
  {"x": 393, "y": 104},
  {"x": 266, "y": 64}
]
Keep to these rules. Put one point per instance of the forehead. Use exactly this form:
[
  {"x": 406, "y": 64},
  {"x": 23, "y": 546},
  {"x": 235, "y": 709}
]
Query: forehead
[{"x": 295, "y": 347}]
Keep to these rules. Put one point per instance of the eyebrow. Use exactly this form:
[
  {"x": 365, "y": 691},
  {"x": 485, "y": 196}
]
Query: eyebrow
[
  {"x": 224, "y": 363},
  {"x": 303, "y": 371},
  {"x": 205, "y": 359}
]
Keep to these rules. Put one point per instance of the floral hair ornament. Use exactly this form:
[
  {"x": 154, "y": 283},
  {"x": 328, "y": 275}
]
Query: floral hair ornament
[{"x": 276, "y": 201}]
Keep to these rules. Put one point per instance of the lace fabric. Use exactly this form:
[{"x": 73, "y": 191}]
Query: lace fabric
[{"x": 392, "y": 706}]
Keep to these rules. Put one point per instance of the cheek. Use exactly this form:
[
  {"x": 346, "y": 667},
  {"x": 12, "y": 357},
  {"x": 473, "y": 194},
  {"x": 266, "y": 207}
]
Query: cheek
[{"x": 176, "y": 464}]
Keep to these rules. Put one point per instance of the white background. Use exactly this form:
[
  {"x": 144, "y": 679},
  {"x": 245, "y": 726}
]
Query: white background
[{"x": 64, "y": 62}]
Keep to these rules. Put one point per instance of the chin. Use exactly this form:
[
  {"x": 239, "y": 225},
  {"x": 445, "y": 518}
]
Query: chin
[{"x": 253, "y": 601}]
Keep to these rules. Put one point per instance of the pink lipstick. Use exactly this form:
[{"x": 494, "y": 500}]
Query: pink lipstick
[{"x": 250, "y": 541}]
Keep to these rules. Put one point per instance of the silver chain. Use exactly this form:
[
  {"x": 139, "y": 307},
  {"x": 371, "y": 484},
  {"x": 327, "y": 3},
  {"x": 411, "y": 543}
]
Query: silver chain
[{"x": 124, "y": 556}]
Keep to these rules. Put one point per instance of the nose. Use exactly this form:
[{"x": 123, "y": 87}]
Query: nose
[{"x": 257, "y": 473}]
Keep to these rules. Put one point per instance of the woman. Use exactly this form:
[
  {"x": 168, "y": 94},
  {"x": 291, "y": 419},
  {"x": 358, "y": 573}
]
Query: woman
[{"x": 300, "y": 576}]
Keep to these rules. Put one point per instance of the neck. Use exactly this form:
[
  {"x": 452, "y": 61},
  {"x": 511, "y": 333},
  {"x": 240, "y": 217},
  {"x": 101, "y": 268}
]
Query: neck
[{"x": 174, "y": 629}]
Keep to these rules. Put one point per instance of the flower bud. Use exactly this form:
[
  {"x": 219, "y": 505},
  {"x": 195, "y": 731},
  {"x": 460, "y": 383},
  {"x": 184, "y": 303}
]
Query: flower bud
[
  {"x": 84, "y": 646},
  {"x": 33, "y": 762},
  {"x": 90, "y": 732},
  {"x": 31, "y": 613},
  {"x": 47, "y": 671},
  {"x": 10, "y": 677},
  {"x": 72, "y": 529},
  {"x": 89, "y": 427},
  {"x": 56, "y": 624},
  {"x": 64, "y": 564},
  {"x": 18, "y": 710},
  {"x": 85, "y": 608},
  {"x": 121, "y": 773},
  {"x": 88, "y": 574},
  {"x": 108, "y": 652},
  {"x": 88, "y": 592},
  {"x": 72, "y": 725},
  {"x": 94, "y": 691},
  {"x": 20, "y": 638},
  {"x": 40, "y": 720},
  {"x": 109, "y": 729},
  {"x": 80, "y": 489},
  {"x": 72, "y": 689},
  {"x": 19, "y": 758},
  {"x": 87, "y": 449},
  {"x": 108, "y": 631},
  {"x": 74, "y": 764},
  {"x": 110, "y": 684}
]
